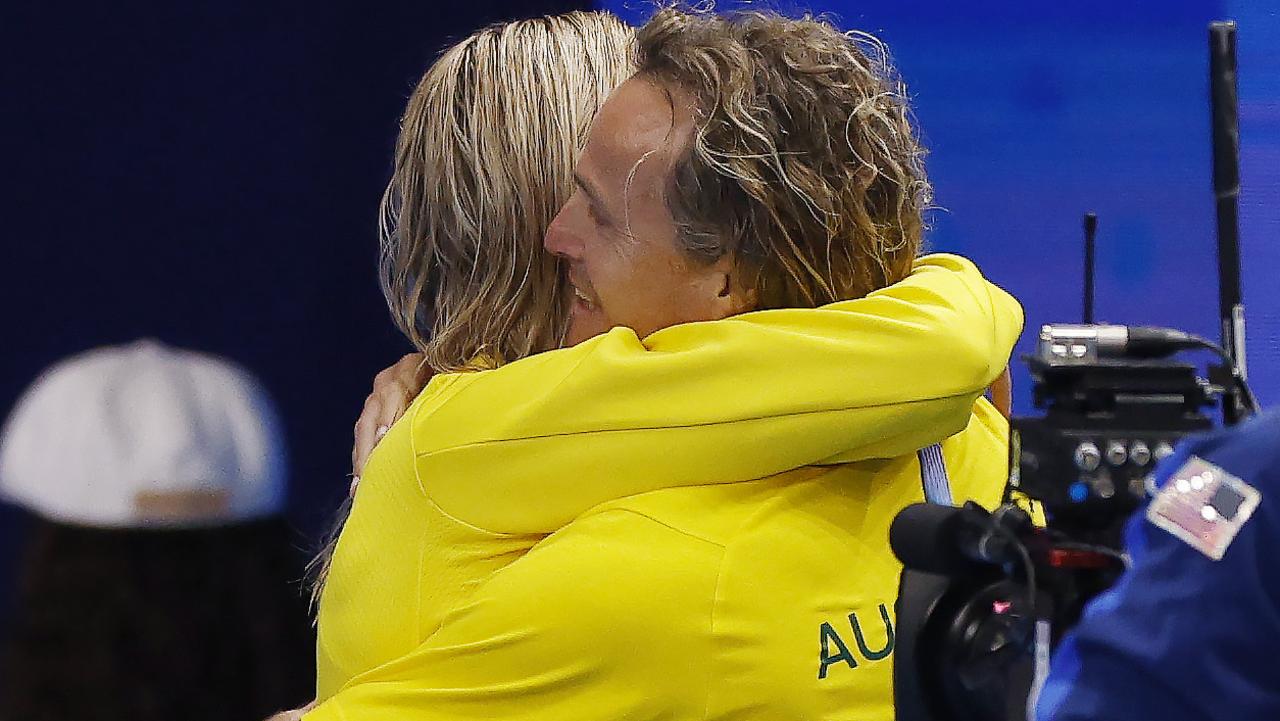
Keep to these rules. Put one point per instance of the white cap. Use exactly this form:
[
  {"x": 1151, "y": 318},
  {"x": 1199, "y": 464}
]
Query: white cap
[{"x": 144, "y": 435}]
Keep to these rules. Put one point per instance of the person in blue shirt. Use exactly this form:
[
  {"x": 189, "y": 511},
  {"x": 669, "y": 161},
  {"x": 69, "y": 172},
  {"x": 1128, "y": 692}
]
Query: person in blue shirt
[{"x": 1182, "y": 635}]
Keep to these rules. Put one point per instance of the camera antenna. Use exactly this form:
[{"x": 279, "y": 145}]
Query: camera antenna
[
  {"x": 1225, "y": 108},
  {"x": 1090, "y": 236},
  {"x": 1226, "y": 185}
]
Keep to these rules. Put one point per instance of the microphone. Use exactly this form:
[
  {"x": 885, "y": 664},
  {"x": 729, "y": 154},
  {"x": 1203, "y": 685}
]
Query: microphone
[
  {"x": 1087, "y": 343},
  {"x": 946, "y": 540}
]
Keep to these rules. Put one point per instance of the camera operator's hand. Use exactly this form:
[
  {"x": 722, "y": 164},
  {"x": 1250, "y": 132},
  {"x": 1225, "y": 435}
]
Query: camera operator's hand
[{"x": 393, "y": 390}]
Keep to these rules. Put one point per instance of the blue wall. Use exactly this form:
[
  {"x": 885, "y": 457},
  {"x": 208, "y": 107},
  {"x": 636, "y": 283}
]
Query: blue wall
[
  {"x": 208, "y": 173},
  {"x": 1038, "y": 112}
]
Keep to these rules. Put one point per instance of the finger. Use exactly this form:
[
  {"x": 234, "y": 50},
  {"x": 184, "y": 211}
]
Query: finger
[
  {"x": 405, "y": 368},
  {"x": 413, "y": 371},
  {"x": 422, "y": 371},
  {"x": 366, "y": 433},
  {"x": 396, "y": 397}
]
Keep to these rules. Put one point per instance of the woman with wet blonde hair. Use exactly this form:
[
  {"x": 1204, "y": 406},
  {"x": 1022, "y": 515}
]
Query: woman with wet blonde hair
[{"x": 483, "y": 163}]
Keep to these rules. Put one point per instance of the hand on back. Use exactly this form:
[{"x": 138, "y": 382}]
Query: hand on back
[{"x": 393, "y": 390}]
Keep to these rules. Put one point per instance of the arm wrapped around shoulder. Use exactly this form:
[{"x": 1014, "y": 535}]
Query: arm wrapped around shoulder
[{"x": 715, "y": 402}]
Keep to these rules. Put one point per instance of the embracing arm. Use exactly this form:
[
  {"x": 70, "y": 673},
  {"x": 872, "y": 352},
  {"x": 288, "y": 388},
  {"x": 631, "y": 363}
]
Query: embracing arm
[{"x": 714, "y": 402}]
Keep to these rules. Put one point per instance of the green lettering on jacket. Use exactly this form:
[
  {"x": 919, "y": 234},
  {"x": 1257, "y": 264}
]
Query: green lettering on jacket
[{"x": 833, "y": 649}]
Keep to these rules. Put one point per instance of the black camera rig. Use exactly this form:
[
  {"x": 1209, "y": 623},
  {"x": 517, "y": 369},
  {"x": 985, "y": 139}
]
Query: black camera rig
[{"x": 985, "y": 596}]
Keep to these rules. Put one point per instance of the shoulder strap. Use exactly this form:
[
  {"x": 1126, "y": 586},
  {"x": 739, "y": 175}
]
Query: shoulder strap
[{"x": 933, "y": 475}]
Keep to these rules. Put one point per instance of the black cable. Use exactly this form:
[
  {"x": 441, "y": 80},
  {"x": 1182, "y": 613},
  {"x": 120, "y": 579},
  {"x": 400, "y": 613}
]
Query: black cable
[
  {"x": 1150, "y": 342},
  {"x": 1246, "y": 393},
  {"x": 1025, "y": 556}
]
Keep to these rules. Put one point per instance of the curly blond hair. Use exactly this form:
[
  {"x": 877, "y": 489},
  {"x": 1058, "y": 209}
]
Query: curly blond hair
[
  {"x": 804, "y": 163},
  {"x": 483, "y": 163}
]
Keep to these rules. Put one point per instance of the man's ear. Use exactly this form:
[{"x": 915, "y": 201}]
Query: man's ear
[{"x": 735, "y": 295}]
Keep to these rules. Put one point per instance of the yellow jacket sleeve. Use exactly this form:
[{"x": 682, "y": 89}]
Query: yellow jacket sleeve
[
  {"x": 577, "y": 629},
  {"x": 717, "y": 402}
]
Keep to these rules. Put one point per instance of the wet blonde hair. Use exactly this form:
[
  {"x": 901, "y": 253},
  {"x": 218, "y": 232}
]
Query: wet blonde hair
[{"x": 483, "y": 163}]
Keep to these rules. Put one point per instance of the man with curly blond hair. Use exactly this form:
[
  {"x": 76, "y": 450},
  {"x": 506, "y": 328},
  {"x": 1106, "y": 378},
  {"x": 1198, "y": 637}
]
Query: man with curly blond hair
[{"x": 776, "y": 153}]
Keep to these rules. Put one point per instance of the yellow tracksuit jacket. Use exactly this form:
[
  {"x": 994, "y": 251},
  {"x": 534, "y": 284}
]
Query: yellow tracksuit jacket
[{"x": 692, "y": 526}]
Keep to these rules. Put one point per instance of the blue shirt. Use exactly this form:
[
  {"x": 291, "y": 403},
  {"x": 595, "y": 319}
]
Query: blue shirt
[{"x": 1181, "y": 636}]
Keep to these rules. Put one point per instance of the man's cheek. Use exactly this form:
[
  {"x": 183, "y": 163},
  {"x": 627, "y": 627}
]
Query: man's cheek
[{"x": 614, "y": 288}]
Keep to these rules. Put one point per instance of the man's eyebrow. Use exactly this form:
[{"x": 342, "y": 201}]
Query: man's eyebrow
[{"x": 590, "y": 190}]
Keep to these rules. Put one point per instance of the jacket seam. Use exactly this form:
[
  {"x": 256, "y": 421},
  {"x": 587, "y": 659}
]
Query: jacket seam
[
  {"x": 715, "y": 605},
  {"x": 736, "y": 421},
  {"x": 660, "y": 522}
]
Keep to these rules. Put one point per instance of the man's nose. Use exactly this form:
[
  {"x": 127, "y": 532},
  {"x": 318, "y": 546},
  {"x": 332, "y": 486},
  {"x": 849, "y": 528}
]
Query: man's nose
[{"x": 560, "y": 239}]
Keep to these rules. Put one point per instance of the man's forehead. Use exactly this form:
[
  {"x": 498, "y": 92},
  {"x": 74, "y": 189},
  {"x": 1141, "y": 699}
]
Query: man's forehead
[{"x": 639, "y": 121}]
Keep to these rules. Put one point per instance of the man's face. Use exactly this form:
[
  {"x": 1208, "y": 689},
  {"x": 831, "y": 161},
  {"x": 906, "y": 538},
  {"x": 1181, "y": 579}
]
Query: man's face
[{"x": 616, "y": 235}]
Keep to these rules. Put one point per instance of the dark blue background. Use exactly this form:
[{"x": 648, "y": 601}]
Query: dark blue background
[{"x": 208, "y": 174}]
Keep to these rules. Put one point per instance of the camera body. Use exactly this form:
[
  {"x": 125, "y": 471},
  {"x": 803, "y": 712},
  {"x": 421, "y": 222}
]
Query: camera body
[
  {"x": 984, "y": 596},
  {"x": 1108, "y": 417}
]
